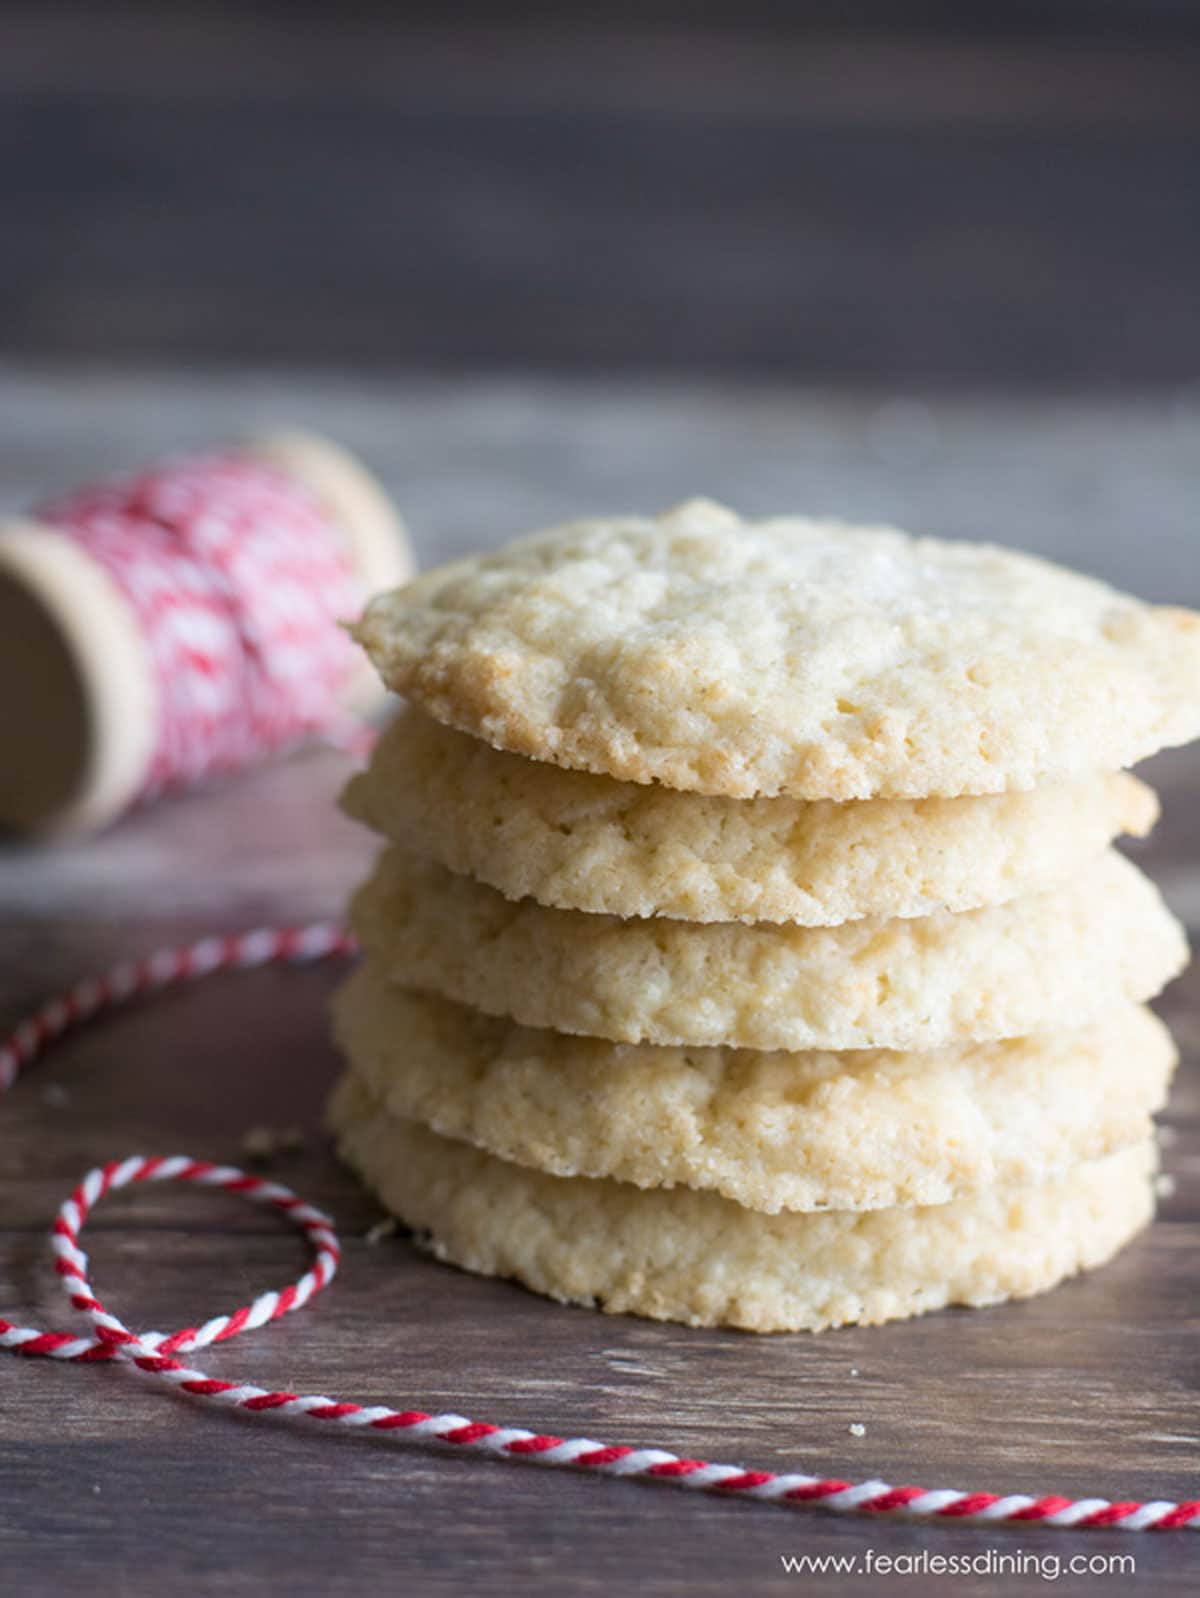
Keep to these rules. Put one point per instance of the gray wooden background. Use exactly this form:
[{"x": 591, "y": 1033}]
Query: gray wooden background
[{"x": 945, "y": 191}]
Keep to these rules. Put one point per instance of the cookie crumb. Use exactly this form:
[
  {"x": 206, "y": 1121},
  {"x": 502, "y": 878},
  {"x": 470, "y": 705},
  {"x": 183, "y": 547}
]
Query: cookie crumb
[
  {"x": 857, "y": 1429},
  {"x": 853, "y": 1370},
  {"x": 380, "y": 1231},
  {"x": 1165, "y": 1186},
  {"x": 262, "y": 1144}
]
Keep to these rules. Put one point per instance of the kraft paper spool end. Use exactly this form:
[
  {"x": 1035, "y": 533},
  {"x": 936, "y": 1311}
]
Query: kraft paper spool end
[
  {"x": 78, "y": 695},
  {"x": 78, "y": 699}
]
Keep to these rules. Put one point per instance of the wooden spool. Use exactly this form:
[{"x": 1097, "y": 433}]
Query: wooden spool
[{"x": 78, "y": 696}]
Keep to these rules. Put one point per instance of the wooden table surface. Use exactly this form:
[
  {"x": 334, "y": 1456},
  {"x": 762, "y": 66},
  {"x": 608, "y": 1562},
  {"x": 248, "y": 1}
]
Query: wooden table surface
[{"x": 107, "y": 1486}]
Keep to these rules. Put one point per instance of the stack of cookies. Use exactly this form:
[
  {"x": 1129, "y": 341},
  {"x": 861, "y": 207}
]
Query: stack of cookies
[{"x": 748, "y": 948}]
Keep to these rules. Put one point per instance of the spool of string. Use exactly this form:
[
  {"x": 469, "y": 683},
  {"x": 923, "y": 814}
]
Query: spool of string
[{"x": 184, "y": 620}]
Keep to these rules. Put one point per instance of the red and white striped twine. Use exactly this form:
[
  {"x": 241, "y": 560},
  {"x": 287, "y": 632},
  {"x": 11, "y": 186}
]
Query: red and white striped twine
[
  {"x": 238, "y": 579},
  {"x": 159, "y": 1354}
]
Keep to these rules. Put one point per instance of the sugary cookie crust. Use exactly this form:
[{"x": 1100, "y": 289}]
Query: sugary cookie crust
[
  {"x": 770, "y": 1131},
  {"x": 1053, "y": 960},
  {"x": 581, "y": 842},
  {"x": 694, "y": 1257},
  {"x": 789, "y": 656}
]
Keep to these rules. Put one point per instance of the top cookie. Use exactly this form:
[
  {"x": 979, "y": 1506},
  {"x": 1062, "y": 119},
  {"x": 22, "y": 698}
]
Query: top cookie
[{"x": 789, "y": 656}]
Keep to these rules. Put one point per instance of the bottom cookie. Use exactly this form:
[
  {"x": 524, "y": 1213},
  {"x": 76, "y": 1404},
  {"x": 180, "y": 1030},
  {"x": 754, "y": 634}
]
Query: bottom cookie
[{"x": 683, "y": 1255}]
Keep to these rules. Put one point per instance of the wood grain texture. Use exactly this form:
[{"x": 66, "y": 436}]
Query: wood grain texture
[
  {"x": 964, "y": 193},
  {"x": 107, "y": 1486}
]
